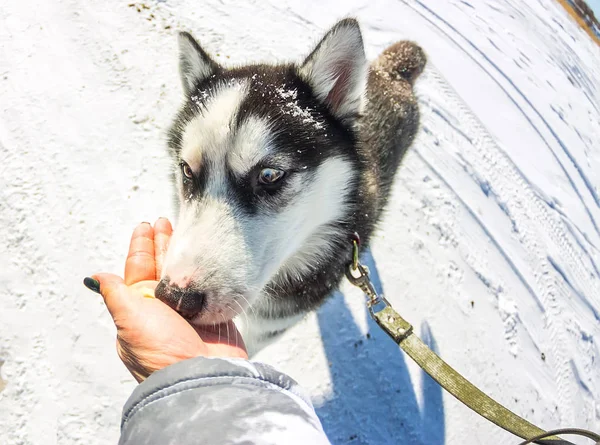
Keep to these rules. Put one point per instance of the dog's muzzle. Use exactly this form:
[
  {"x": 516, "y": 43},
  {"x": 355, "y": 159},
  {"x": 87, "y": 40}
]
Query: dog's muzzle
[{"x": 188, "y": 302}]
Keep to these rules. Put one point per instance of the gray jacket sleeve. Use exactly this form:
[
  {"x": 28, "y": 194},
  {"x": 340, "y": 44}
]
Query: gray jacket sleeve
[{"x": 219, "y": 401}]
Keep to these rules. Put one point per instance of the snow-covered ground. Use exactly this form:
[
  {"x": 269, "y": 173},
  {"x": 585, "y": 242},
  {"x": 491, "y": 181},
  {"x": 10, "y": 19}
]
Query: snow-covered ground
[{"x": 491, "y": 245}]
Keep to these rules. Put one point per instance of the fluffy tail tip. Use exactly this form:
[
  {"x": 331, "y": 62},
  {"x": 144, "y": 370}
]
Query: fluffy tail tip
[{"x": 405, "y": 58}]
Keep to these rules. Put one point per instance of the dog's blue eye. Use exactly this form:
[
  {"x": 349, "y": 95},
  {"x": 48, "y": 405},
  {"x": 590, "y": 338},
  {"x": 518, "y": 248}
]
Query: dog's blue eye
[{"x": 270, "y": 176}]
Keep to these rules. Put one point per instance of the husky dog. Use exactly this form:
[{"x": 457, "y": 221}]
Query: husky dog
[{"x": 276, "y": 166}]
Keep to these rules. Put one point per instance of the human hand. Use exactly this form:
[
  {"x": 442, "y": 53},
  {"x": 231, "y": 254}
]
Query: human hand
[{"x": 151, "y": 335}]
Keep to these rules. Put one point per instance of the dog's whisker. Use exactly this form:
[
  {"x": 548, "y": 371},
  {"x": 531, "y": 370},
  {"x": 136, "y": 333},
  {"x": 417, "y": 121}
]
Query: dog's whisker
[
  {"x": 232, "y": 310},
  {"x": 227, "y": 326},
  {"x": 219, "y": 341},
  {"x": 243, "y": 312},
  {"x": 248, "y": 305},
  {"x": 253, "y": 312}
]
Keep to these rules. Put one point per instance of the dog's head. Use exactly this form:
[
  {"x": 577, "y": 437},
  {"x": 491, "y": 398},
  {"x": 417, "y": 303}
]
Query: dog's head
[{"x": 265, "y": 162}]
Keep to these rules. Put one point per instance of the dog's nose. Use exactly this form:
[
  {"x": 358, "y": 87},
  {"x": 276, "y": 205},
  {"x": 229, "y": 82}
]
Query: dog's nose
[{"x": 188, "y": 302}]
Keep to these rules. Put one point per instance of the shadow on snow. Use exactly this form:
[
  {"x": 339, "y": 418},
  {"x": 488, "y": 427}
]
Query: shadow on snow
[{"x": 373, "y": 399}]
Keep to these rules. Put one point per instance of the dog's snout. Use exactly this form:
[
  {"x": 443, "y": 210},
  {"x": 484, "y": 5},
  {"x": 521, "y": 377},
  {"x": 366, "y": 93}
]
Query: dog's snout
[{"x": 186, "y": 301}]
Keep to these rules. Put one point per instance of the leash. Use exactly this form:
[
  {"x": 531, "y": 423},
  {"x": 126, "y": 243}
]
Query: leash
[{"x": 401, "y": 331}]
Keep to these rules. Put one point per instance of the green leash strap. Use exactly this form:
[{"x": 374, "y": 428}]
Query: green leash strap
[{"x": 401, "y": 331}]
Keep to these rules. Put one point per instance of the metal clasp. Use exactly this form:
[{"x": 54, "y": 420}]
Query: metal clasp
[
  {"x": 379, "y": 308},
  {"x": 358, "y": 275}
]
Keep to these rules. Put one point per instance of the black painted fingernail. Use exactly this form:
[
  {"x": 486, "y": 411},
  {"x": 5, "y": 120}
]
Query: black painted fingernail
[{"x": 91, "y": 284}]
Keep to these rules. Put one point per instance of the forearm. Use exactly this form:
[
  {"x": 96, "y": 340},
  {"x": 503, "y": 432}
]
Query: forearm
[{"x": 210, "y": 400}]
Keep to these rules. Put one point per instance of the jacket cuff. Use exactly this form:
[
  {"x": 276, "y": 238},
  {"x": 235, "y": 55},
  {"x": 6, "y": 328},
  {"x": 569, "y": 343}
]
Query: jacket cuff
[{"x": 205, "y": 371}]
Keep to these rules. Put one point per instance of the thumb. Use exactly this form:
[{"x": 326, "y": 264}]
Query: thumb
[{"x": 114, "y": 292}]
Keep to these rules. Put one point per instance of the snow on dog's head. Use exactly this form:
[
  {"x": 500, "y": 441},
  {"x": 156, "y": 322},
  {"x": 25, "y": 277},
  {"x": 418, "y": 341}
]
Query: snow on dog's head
[{"x": 265, "y": 164}]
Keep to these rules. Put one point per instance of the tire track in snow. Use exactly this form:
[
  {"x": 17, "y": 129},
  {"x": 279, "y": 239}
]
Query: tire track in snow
[
  {"x": 434, "y": 21},
  {"x": 485, "y": 230},
  {"x": 535, "y": 222},
  {"x": 574, "y": 289}
]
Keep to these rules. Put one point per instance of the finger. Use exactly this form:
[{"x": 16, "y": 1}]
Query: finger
[
  {"x": 140, "y": 263},
  {"x": 115, "y": 294},
  {"x": 162, "y": 235}
]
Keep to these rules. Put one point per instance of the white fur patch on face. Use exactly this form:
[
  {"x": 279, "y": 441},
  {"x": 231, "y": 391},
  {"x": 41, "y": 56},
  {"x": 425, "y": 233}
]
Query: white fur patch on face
[
  {"x": 296, "y": 238},
  {"x": 252, "y": 142},
  {"x": 208, "y": 134}
]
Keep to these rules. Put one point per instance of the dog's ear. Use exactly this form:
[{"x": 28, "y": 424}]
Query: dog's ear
[
  {"x": 195, "y": 64},
  {"x": 337, "y": 70}
]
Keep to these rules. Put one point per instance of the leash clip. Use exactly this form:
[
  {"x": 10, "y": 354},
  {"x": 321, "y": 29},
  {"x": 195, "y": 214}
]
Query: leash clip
[
  {"x": 358, "y": 275},
  {"x": 360, "y": 278},
  {"x": 380, "y": 310}
]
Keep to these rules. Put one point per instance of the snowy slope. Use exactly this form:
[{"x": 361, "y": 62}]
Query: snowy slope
[{"x": 491, "y": 246}]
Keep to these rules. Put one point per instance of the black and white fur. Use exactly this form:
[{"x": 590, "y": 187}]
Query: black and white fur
[{"x": 334, "y": 128}]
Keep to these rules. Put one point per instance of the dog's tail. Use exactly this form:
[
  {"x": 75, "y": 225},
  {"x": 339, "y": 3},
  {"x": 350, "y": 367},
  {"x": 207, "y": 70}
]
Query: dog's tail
[{"x": 405, "y": 59}]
